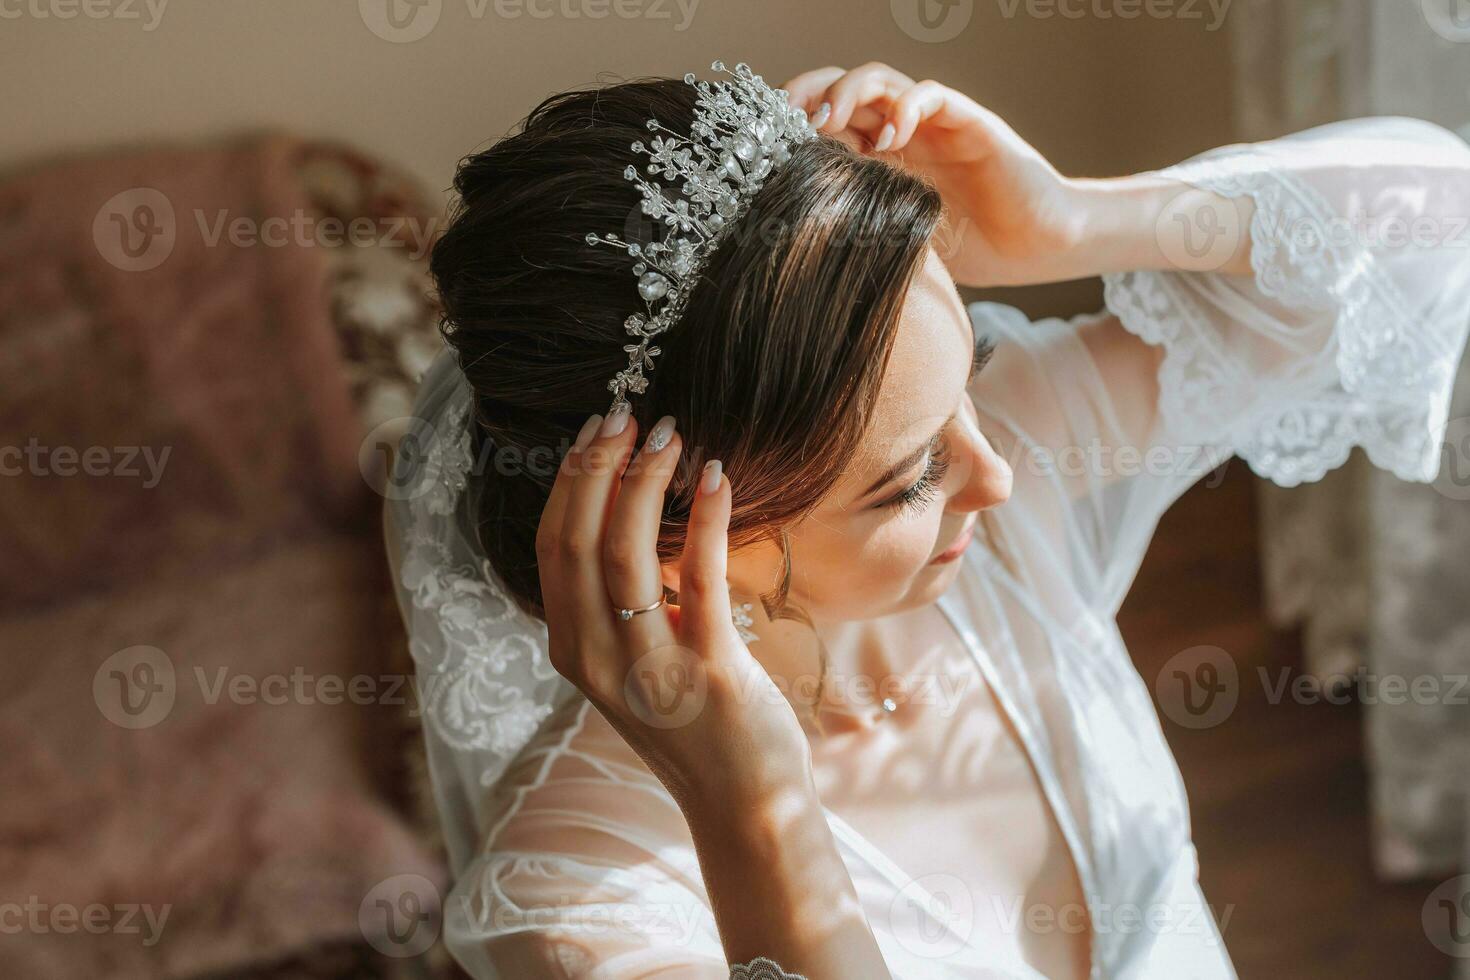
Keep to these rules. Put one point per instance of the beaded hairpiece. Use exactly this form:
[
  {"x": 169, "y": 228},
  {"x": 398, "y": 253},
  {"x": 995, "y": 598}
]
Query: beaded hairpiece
[{"x": 742, "y": 130}]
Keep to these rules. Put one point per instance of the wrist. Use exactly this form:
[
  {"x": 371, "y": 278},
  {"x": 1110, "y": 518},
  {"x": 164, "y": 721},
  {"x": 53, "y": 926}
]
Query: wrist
[
  {"x": 764, "y": 794},
  {"x": 786, "y": 834},
  {"x": 779, "y": 888}
]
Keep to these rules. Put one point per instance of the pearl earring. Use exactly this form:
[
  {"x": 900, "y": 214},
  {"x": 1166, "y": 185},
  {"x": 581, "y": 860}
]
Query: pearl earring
[{"x": 740, "y": 616}]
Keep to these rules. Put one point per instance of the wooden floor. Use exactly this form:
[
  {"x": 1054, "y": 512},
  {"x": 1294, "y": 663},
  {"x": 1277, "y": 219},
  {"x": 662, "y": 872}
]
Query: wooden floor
[{"x": 1277, "y": 792}]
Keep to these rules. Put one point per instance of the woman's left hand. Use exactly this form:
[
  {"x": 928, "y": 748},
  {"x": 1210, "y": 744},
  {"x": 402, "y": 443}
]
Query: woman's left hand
[{"x": 1011, "y": 218}]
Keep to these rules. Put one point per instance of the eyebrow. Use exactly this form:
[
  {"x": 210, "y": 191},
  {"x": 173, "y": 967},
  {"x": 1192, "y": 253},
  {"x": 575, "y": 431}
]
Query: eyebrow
[{"x": 907, "y": 463}]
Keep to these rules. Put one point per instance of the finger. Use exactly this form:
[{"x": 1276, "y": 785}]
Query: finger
[
  {"x": 916, "y": 105},
  {"x": 598, "y": 471},
  {"x": 867, "y": 120},
  {"x": 630, "y": 555},
  {"x": 873, "y": 83},
  {"x": 806, "y": 89},
  {"x": 942, "y": 108},
  {"x": 704, "y": 594},
  {"x": 553, "y": 518},
  {"x": 553, "y": 515}
]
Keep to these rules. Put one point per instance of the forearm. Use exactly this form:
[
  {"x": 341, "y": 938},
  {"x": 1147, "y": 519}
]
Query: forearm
[
  {"x": 1151, "y": 222},
  {"x": 1390, "y": 185},
  {"x": 1112, "y": 224},
  {"x": 779, "y": 889}
]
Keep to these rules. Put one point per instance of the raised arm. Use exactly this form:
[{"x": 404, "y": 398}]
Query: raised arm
[
  {"x": 1345, "y": 331},
  {"x": 1282, "y": 301}
]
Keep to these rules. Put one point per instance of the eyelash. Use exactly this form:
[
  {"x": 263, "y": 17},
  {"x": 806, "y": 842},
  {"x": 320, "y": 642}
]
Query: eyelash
[
  {"x": 984, "y": 347},
  {"x": 917, "y": 497}
]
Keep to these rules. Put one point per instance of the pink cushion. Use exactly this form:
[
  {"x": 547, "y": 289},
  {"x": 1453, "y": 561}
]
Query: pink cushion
[{"x": 254, "y": 550}]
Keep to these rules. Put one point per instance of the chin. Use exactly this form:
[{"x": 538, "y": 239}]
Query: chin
[
  {"x": 931, "y": 582},
  {"x": 925, "y": 586}
]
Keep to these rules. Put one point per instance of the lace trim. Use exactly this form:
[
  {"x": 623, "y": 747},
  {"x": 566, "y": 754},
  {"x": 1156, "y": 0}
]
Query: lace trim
[
  {"x": 761, "y": 968},
  {"x": 1385, "y": 363},
  {"x": 461, "y": 691},
  {"x": 447, "y": 463}
]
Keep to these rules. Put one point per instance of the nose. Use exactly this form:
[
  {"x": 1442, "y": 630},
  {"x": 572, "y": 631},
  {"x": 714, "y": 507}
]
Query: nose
[{"x": 984, "y": 476}]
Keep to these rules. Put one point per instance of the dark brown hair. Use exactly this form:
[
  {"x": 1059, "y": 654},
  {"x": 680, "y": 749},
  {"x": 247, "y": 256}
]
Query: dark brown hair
[{"x": 774, "y": 366}]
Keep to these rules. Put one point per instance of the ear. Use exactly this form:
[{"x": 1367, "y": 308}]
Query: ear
[
  {"x": 746, "y": 564},
  {"x": 737, "y": 573}
]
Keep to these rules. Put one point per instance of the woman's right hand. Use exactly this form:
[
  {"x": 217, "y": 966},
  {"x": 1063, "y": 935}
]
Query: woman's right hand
[{"x": 677, "y": 683}]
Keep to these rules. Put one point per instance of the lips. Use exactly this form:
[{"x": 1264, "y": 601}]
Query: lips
[{"x": 957, "y": 548}]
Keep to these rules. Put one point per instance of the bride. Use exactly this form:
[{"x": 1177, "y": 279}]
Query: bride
[{"x": 800, "y": 657}]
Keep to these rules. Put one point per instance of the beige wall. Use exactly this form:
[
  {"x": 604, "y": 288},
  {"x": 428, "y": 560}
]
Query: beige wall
[{"x": 1099, "y": 95}]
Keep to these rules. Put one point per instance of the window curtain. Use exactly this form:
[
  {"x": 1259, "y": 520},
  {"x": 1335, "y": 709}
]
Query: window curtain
[{"x": 1375, "y": 571}]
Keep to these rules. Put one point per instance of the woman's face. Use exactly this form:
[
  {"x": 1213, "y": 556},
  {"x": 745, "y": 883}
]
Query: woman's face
[{"x": 888, "y": 535}]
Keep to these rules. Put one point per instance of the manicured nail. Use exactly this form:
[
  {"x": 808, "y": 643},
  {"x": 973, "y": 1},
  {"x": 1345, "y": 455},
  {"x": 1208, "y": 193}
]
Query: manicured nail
[
  {"x": 586, "y": 432},
  {"x": 823, "y": 113},
  {"x": 659, "y": 435},
  {"x": 885, "y": 137},
  {"x": 616, "y": 421},
  {"x": 710, "y": 482}
]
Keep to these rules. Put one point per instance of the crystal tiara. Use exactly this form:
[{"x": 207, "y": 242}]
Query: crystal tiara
[{"x": 742, "y": 130}]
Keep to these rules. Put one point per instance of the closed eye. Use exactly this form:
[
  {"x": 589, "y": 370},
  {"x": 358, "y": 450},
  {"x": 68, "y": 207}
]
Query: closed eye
[{"x": 916, "y": 496}]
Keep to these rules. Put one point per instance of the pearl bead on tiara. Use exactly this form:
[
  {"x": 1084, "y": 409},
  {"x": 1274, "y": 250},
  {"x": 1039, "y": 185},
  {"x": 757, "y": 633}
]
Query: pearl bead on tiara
[{"x": 742, "y": 131}]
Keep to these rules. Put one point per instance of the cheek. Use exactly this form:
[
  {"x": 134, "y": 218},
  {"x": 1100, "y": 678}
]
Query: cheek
[
  {"x": 856, "y": 575},
  {"x": 904, "y": 545}
]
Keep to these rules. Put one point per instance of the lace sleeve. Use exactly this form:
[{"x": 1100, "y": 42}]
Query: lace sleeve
[
  {"x": 761, "y": 968},
  {"x": 1347, "y": 334},
  {"x": 1351, "y": 328}
]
